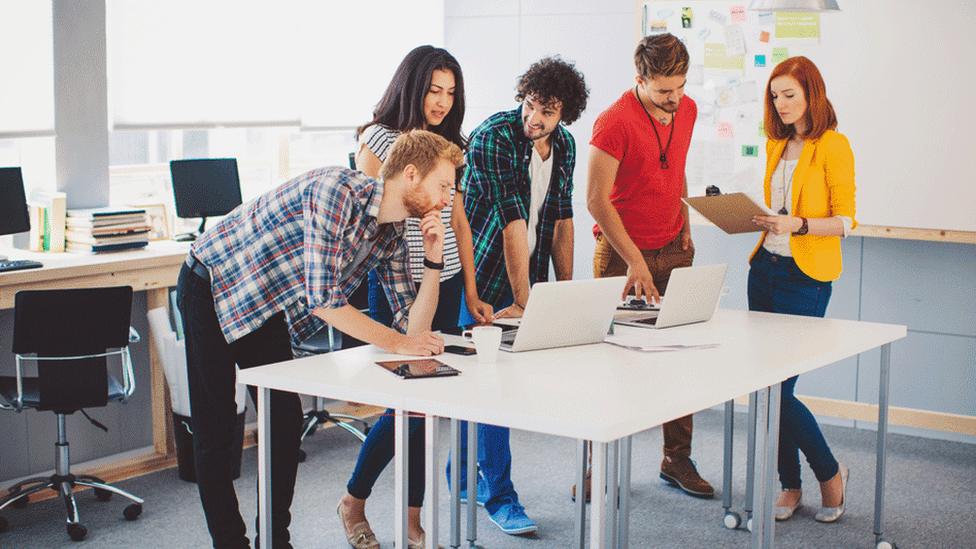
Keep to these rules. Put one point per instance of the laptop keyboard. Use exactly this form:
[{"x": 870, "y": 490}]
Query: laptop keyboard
[{"x": 649, "y": 321}]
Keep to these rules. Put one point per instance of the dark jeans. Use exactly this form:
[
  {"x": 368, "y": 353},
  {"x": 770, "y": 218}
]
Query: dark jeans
[
  {"x": 777, "y": 285},
  {"x": 378, "y": 450},
  {"x": 211, "y": 373}
]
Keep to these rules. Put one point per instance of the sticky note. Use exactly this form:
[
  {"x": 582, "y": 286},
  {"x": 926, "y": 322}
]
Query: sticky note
[
  {"x": 718, "y": 17},
  {"x": 687, "y": 18},
  {"x": 750, "y": 150},
  {"x": 780, "y": 55},
  {"x": 762, "y": 129},
  {"x": 797, "y": 24},
  {"x": 760, "y": 60},
  {"x": 738, "y": 14},
  {"x": 725, "y": 130},
  {"x": 764, "y": 37}
]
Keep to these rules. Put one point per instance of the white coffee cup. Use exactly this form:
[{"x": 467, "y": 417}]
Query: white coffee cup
[{"x": 486, "y": 341}]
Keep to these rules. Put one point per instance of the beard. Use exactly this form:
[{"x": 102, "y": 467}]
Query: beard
[
  {"x": 669, "y": 107},
  {"x": 416, "y": 203},
  {"x": 543, "y": 132}
]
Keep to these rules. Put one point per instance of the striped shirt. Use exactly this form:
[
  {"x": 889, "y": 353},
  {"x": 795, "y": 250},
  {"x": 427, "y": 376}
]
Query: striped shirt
[
  {"x": 306, "y": 244},
  {"x": 497, "y": 191},
  {"x": 378, "y": 139}
]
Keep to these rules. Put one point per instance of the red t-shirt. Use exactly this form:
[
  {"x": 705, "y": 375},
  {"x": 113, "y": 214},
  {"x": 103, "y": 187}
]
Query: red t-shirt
[{"x": 647, "y": 197}]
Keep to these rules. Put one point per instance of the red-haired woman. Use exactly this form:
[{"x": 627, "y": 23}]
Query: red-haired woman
[{"x": 810, "y": 184}]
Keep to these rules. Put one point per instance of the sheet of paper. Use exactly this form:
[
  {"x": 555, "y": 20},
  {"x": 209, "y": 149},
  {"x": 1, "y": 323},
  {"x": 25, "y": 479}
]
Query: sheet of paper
[
  {"x": 797, "y": 24},
  {"x": 766, "y": 19},
  {"x": 780, "y": 55},
  {"x": 716, "y": 57},
  {"x": 735, "y": 40},
  {"x": 646, "y": 344}
]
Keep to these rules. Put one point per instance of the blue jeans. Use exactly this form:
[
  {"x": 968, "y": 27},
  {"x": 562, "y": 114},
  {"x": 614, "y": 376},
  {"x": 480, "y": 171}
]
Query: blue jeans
[
  {"x": 494, "y": 448},
  {"x": 777, "y": 285},
  {"x": 378, "y": 450}
]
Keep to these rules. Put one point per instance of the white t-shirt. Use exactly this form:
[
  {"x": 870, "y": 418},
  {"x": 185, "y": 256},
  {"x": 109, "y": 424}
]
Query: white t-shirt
[
  {"x": 378, "y": 139},
  {"x": 540, "y": 174}
]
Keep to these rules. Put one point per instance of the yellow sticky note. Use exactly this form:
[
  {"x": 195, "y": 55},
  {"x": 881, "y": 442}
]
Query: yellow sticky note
[
  {"x": 797, "y": 24},
  {"x": 780, "y": 55},
  {"x": 717, "y": 58}
]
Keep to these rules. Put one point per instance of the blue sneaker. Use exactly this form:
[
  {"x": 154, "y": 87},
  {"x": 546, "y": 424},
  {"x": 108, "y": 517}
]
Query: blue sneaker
[
  {"x": 482, "y": 496},
  {"x": 512, "y": 520}
]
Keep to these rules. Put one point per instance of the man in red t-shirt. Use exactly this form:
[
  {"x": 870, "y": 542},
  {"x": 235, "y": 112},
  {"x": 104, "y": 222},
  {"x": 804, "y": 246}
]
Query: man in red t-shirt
[{"x": 636, "y": 182}]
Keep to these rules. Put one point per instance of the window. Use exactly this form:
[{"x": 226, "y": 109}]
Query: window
[{"x": 27, "y": 66}]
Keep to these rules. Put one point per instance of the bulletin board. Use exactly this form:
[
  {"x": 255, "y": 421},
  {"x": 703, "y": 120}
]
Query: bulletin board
[{"x": 891, "y": 72}]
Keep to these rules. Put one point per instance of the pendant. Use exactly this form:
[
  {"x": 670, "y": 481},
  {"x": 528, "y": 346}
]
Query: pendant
[
  {"x": 664, "y": 161},
  {"x": 783, "y": 211}
]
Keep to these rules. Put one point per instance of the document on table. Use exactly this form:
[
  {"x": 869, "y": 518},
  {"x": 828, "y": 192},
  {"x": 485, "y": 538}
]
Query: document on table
[{"x": 648, "y": 345}]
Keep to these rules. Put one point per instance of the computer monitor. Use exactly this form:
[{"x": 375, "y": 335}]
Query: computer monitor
[
  {"x": 204, "y": 187},
  {"x": 13, "y": 203}
]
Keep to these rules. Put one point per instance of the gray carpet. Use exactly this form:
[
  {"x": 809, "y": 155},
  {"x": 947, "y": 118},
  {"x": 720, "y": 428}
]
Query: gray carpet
[{"x": 930, "y": 498}]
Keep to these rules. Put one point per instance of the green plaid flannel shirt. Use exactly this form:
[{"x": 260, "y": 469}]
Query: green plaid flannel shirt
[{"x": 497, "y": 191}]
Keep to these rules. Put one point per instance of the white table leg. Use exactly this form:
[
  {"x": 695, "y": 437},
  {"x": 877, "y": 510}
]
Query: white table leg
[
  {"x": 759, "y": 478},
  {"x": 881, "y": 448},
  {"x": 455, "y": 483},
  {"x": 613, "y": 460},
  {"x": 750, "y": 455},
  {"x": 598, "y": 500},
  {"x": 472, "y": 533},
  {"x": 580, "y": 518},
  {"x": 623, "y": 528},
  {"x": 772, "y": 451},
  {"x": 264, "y": 466},
  {"x": 432, "y": 526},
  {"x": 402, "y": 457}
]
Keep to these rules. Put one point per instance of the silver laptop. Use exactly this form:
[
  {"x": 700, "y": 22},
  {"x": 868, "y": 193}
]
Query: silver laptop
[
  {"x": 565, "y": 313},
  {"x": 692, "y": 296}
]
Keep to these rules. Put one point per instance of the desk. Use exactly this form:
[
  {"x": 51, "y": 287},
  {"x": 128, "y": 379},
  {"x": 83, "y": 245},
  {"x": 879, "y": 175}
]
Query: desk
[
  {"x": 153, "y": 269},
  {"x": 600, "y": 393}
]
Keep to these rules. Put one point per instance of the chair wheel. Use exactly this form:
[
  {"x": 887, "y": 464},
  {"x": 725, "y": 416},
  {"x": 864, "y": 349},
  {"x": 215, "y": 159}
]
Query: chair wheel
[
  {"x": 732, "y": 520},
  {"x": 4, "y": 525},
  {"x": 21, "y": 503},
  {"x": 749, "y": 524},
  {"x": 132, "y": 512},
  {"x": 77, "y": 531},
  {"x": 302, "y": 456},
  {"x": 102, "y": 494},
  {"x": 885, "y": 545}
]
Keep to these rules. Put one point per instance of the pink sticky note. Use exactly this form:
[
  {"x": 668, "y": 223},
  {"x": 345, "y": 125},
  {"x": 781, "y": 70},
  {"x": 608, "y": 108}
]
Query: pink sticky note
[
  {"x": 764, "y": 36},
  {"x": 738, "y": 14},
  {"x": 725, "y": 130}
]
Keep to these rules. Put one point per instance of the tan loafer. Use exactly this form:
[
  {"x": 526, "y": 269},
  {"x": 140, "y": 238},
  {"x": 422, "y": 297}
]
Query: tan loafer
[{"x": 360, "y": 536}]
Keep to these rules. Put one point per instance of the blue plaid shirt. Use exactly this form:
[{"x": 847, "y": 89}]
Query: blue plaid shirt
[
  {"x": 298, "y": 248},
  {"x": 497, "y": 191}
]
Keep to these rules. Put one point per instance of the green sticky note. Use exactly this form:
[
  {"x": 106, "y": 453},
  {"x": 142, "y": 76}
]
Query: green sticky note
[
  {"x": 797, "y": 24},
  {"x": 750, "y": 150},
  {"x": 762, "y": 130},
  {"x": 780, "y": 55},
  {"x": 717, "y": 58}
]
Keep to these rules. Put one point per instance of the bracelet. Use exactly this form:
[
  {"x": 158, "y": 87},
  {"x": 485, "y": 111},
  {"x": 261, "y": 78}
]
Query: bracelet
[{"x": 433, "y": 265}]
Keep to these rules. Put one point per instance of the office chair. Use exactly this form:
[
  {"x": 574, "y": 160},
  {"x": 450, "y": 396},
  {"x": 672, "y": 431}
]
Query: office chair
[
  {"x": 326, "y": 341},
  {"x": 69, "y": 334}
]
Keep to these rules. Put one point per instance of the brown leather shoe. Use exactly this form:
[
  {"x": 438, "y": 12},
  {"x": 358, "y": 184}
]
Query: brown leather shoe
[
  {"x": 681, "y": 472},
  {"x": 586, "y": 488}
]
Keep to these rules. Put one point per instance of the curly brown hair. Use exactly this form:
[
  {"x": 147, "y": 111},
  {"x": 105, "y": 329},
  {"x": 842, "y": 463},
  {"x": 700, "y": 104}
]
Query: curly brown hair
[{"x": 551, "y": 80}]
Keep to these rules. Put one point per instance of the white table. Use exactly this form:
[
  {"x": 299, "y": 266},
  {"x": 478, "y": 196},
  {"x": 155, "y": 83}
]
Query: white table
[{"x": 599, "y": 393}]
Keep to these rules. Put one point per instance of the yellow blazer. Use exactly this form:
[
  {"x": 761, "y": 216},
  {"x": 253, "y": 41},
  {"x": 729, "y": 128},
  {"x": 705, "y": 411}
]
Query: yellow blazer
[{"x": 823, "y": 186}]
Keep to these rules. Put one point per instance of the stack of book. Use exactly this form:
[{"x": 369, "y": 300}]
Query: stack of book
[
  {"x": 47, "y": 218},
  {"x": 106, "y": 229}
]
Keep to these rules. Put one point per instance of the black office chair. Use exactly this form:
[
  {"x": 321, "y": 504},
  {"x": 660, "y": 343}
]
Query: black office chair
[
  {"x": 69, "y": 334},
  {"x": 326, "y": 341}
]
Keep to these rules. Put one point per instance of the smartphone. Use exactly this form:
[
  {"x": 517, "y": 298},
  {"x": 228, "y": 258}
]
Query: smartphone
[{"x": 459, "y": 350}]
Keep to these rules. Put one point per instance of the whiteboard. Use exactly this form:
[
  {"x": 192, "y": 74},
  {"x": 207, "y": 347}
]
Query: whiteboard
[{"x": 899, "y": 74}]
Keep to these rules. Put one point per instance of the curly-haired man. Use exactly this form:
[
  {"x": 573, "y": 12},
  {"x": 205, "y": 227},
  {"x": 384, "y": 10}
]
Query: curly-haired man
[{"x": 518, "y": 189}]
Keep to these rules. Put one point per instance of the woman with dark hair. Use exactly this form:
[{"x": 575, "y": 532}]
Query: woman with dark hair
[
  {"x": 799, "y": 253},
  {"x": 427, "y": 92}
]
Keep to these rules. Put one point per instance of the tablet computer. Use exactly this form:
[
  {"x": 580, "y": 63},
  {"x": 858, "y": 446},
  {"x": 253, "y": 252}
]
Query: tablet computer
[{"x": 418, "y": 368}]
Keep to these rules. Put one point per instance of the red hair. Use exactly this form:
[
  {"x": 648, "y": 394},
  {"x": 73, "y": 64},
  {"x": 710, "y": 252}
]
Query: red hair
[{"x": 820, "y": 115}]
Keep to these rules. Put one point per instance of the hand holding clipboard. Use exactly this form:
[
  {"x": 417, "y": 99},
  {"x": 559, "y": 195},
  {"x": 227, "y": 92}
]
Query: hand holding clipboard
[{"x": 732, "y": 213}]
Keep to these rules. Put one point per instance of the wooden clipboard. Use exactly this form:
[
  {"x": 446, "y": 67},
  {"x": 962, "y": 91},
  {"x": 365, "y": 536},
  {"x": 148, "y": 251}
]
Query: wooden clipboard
[{"x": 732, "y": 213}]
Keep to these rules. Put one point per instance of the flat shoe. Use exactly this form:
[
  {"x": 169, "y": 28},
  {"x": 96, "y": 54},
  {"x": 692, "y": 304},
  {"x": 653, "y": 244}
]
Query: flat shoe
[
  {"x": 420, "y": 543},
  {"x": 786, "y": 512},
  {"x": 833, "y": 514},
  {"x": 360, "y": 536}
]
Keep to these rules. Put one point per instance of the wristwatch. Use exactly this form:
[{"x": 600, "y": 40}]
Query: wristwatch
[
  {"x": 804, "y": 228},
  {"x": 432, "y": 265}
]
